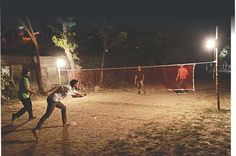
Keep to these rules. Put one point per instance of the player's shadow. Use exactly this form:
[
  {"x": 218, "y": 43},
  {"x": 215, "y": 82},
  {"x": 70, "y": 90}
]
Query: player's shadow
[
  {"x": 48, "y": 127},
  {"x": 8, "y": 126},
  {"x": 225, "y": 110},
  {"x": 12, "y": 128},
  {"x": 30, "y": 149},
  {"x": 65, "y": 141},
  {"x": 9, "y": 142}
]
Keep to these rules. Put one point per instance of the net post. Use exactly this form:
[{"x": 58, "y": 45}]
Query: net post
[{"x": 194, "y": 77}]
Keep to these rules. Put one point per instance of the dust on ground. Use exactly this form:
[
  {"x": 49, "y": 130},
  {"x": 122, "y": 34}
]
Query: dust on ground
[{"x": 121, "y": 122}]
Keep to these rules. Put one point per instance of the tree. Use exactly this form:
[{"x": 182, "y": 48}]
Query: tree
[
  {"x": 66, "y": 39},
  {"x": 31, "y": 33},
  {"x": 225, "y": 57},
  {"x": 7, "y": 86},
  {"x": 109, "y": 37}
]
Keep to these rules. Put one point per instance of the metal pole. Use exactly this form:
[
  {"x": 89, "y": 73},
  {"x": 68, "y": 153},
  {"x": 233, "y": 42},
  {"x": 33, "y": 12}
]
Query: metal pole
[
  {"x": 59, "y": 74},
  {"x": 217, "y": 74}
]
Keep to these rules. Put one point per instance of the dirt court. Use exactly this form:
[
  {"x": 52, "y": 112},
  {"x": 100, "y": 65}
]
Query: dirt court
[{"x": 121, "y": 122}]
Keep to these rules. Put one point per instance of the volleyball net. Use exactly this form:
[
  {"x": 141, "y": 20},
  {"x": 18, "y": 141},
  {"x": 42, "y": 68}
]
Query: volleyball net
[{"x": 160, "y": 76}]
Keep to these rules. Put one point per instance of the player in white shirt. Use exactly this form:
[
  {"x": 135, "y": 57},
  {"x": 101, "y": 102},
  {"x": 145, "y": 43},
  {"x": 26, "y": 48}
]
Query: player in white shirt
[{"x": 53, "y": 100}]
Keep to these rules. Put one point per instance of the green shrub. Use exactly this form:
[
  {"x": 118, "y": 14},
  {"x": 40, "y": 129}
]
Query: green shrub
[{"x": 7, "y": 87}]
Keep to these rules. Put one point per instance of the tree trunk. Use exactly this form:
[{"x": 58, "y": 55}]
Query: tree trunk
[
  {"x": 38, "y": 65},
  {"x": 72, "y": 64},
  {"x": 67, "y": 51},
  {"x": 103, "y": 57},
  {"x": 102, "y": 68},
  {"x": 70, "y": 58},
  {"x": 38, "y": 69}
]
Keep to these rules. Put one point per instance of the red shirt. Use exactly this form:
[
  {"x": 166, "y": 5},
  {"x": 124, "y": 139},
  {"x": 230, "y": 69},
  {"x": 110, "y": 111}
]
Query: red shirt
[{"x": 183, "y": 72}]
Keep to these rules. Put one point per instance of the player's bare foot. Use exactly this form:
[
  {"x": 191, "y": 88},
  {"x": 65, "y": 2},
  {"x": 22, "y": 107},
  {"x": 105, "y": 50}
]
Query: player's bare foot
[{"x": 66, "y": 125}]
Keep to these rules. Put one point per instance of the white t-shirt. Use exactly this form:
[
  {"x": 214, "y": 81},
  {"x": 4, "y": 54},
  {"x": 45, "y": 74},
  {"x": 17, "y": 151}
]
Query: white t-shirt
[{"x": 66, "y": 90}]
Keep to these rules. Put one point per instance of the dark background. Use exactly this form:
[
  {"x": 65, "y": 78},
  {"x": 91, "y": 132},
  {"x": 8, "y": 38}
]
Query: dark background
[{"x": 186, "y": 24}]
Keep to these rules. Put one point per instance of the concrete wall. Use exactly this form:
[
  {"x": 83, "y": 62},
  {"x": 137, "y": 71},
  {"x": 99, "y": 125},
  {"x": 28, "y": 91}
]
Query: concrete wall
[
  {"x": 50, "y": 71},
  {"x": 48, "y": 68}
]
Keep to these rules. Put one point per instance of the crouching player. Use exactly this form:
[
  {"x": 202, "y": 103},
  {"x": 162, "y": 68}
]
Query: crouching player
[{"x": 53, "y": 100}]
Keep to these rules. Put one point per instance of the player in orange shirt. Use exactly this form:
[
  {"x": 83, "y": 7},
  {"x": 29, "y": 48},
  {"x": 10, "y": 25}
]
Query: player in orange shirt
[{"x": 181, "y": 77}]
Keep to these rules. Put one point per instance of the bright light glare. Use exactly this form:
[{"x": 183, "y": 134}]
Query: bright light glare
[
  {"x": 21, "y": 27},
  {"x": 211, "y": 43},
  {"x": 60, "y": 62}
]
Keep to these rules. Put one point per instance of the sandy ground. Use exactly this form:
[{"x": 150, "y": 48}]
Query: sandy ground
[{"x": 121, "y": 122}]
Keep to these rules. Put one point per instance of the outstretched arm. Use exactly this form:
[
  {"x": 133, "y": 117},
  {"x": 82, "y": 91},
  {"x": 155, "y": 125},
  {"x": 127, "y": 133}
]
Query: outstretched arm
[
  {"x": 75, "y": 93},
  {"x": 79, "y": 95},
  {"x": 51, "y": 90},
  {"x": 30, "y": 90}
]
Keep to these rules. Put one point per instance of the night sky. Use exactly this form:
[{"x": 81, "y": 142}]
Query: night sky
[
  {"x": 162, "y": 9},
  {"x": 196, "y": 18}
]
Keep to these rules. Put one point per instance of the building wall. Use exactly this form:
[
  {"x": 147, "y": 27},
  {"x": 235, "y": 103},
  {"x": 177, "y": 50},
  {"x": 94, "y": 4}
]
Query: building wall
[
  {"x": 50, "y": 71},
  {"x": 15, "y": 64}
]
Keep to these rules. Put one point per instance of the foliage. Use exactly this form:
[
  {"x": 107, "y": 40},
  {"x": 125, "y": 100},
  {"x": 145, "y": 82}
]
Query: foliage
[
  {"x": 66, "y": 38},
  {"x": 63, "y": 42},
  {"x": 106, "y": 34},
  {"x": 67, "y": 23},
  {"x": 110, "y": 37},
  {"x": 7, "y": 86},
  {"x": 122, "y": 36},
  {"x": 225, "y": 54}
]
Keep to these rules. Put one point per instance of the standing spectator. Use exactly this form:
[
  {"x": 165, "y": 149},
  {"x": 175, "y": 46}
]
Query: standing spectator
[
  {"x": 139, "y": 80},
  {"x": 53, "y": 100},
  {"x": 181, "y": 78},
  {"x": 24, "y": 95}
]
